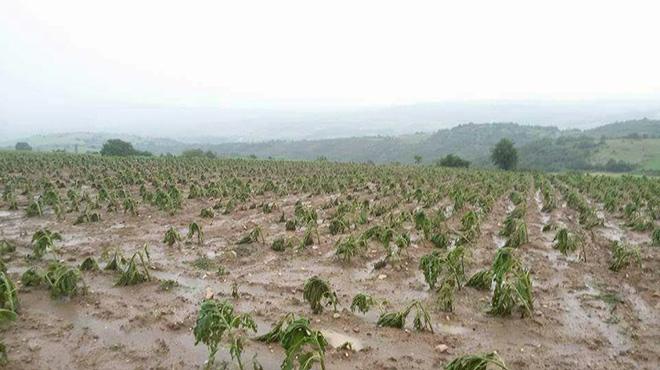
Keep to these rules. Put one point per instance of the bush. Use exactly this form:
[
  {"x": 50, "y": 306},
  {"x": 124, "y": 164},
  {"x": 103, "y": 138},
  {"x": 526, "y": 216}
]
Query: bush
[
  {"x": 117, "y": 147},
  {"x": 23, "y": 146},
  {"x": 453, "y": 161}
]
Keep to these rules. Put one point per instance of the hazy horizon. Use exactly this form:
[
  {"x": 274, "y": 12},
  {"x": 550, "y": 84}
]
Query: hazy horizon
[{"x": 259, "y": 70}]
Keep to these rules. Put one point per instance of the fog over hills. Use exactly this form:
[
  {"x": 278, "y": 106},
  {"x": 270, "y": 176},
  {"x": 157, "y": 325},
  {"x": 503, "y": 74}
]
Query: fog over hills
[{"x": 216, "y": 125}]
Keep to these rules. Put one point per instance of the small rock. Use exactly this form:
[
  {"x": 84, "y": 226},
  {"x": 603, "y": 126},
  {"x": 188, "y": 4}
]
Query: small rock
[
  {"x": 336, "y": 315},
  {"x": 382, "y": 276},
  {"x": 442, "y": 348}
]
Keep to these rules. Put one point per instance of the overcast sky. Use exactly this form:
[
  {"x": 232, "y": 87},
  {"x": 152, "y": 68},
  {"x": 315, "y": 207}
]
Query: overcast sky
[{"x": 65, "y": 56}]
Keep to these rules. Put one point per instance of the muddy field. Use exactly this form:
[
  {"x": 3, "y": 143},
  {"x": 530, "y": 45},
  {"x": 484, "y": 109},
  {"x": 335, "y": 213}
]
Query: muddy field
[{"x": 585, "y": 315}]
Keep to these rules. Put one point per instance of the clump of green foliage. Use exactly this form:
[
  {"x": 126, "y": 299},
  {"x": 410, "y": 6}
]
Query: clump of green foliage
[
  {"x": 253, "y": 236},
  {"x": 171, "y": 236},
  {"x": 277, "y": 331},
  {"x": 193, "y": 229},
  {"x": 655, "y": 238},
  {"x": 476, "y": 362},
  {"x": 481, "y": 280},
  {"x": 623, "y": 254},
  {"x": 567, "y": 242},
  {"x": 89, "y": 264},
  {"x": 397, "y": 319},
  {"x": 32, "y": 277},
  {"x": 317, "y": 290},
  {"x": 62, "y": 280},
  {"x": 362, "y": 302},
  {"x": 302, "y": 343},
  {"x": 217, "y": 319},
  {"x": 131, "y": 274},
  {"x": 281, "y": 244},
  {"x": 346, "y": 249},
  {"x": 8, "y": 299},
  {"x": 43, "y": 241},
  {"x": 513, "y": 285}
]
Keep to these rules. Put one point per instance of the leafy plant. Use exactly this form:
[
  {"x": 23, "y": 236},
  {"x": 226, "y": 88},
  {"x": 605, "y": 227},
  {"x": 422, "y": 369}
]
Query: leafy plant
[
  {"x": 397, "y": 319},
  {"x": 62, "y": 280},
  {"x": 206, "y": 213},
  {"x": 43, "y": 241},
  {"x": 302, "y": 343},
  {"x": 518, "y": 234},
  {"x": 277, "y": 331},
  {"x": 445, "y": 298},
  {"x": 252, "y": 237},
  {"x": 89, "y": 264},
  {"x": 622, "y": 255},
  {"x": 476, "y": 362},
  {"x": 566, "y": 242},
  {"x": 348, "y": 248},
  {"x": 193, "y": 229},
  {"x": 481, "y": 280},
  {"x": 362, "y": 302},
  {"x": 32, "y": 277},
  {"x": 8, "y": 299},
  {"x": 131, "y": 274},
  {"x": 317, "y": 290},
  {"x": 171, "y": 236},
  {"x": 214, "y": 320},
  {"x": 431, "y": 266},
  {"x": 4, "y": 359}
]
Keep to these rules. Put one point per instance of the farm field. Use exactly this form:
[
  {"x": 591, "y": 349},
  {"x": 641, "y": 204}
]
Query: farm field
[{"x": 124, "y": 263}]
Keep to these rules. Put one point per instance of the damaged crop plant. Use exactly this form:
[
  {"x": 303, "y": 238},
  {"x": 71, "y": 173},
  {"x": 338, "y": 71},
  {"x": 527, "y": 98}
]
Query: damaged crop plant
[{"x": 343, "y": 265}]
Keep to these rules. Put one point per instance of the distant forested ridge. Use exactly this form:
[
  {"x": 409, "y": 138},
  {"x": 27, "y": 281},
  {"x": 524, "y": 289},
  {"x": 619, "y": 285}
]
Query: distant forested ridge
[{"x": 609, "y": 147}]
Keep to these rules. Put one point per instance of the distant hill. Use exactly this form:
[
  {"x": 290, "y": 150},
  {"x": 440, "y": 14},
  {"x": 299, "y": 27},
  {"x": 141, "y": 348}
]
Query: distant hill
[
  {"x": 540, "y": 147},
  {"x": 83, "y": 142},
  {"x": 642, "y": 127}
]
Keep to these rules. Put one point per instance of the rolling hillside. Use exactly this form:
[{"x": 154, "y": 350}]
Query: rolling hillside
[{"x": 541, "y": 148}]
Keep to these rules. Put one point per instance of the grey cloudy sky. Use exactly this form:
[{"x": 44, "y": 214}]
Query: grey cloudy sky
[{"x": 61, "y": 58}]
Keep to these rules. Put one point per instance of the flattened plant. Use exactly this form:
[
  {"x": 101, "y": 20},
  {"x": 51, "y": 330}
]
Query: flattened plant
[
  {"x": 481, "y": 280},
  {"x": 397, "y": 319},
  {"x": 277, "y": 331},
  {"x": 476, "y": 362},
  {"x": 302, "y": 343},
  {"x": 316, "y": 292},
  {"x": 136, "y": 271},
  {"x": 253, "y": 236}
]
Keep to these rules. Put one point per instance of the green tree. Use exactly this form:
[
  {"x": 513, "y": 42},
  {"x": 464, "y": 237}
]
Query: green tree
[
  {"x": 504, "y": 155},
  {"x": 418, "y": 159},
  {"x": 453, "y": 161},
  {"x": 21, "y": 145},
  {"x": 117, "y": 147}
]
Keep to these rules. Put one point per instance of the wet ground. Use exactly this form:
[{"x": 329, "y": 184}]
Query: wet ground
[{"x": 586, "y": 316}]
